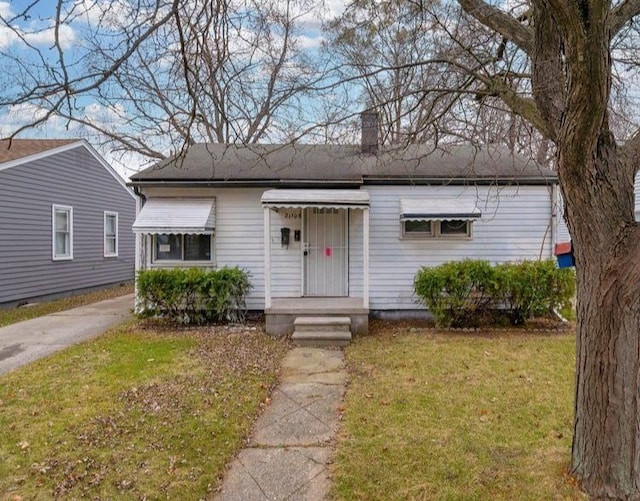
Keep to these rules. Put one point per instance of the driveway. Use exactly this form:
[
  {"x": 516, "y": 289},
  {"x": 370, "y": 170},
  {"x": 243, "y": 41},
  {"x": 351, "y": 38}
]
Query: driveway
[{"x": 27, "y": 341}]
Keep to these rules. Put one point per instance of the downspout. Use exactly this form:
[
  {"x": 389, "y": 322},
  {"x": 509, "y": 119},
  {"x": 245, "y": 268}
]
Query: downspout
[
  {"x": 140, "y": 255},
  {"x": 554, "y": 217}
]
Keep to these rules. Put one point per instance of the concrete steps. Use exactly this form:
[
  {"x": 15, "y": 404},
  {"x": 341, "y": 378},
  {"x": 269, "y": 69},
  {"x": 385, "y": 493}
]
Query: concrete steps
[{"x": 321, "y": 331}]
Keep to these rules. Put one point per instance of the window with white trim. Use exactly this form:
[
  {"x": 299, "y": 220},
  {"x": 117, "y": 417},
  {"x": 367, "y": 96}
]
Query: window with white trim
[
  {"x": 424, "y": 228},
  {"x": 183, "y": 247},
  {"x": 61, "y": 232},
  {"x": 110, "y": 234}
]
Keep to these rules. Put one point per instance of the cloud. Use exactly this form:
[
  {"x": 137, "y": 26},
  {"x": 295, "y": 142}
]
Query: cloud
[
  {"x": 5, "y": 9},
  {"x": 309, "y": 42},
  {"x": 20, "y": 115},
  {"x": 107, "y": 117},
  {"x": 107, "y": 14},
  {"x": 36, "y": 36}
]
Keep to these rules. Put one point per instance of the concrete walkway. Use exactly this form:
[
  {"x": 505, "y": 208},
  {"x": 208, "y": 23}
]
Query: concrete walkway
[
  {"x": 27, "y": 341},
  {"x": 289, "y": 452}
]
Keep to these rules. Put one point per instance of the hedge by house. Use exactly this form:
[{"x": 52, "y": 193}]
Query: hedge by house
[
  {"x": 458, "y": 293},
  {"x": 194, "y": 295}
]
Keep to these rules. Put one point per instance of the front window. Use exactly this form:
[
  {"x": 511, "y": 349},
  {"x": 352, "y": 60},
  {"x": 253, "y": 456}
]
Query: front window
[
  {"x": 425, "y": 228},
  {"x": 179, "y": 247},
  {"x": 417, "y": 229},
  {"x": 455, "y": 227},
  {"x": 62, "y": 232},
  {"x": 110, "y": 234}
]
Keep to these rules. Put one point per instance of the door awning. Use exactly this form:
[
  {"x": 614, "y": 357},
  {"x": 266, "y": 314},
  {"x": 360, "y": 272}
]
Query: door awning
[
  {"x": 170, "y": 215},
  {"x": 293, "y": 199},
  {"x": 438, "y": 209}
]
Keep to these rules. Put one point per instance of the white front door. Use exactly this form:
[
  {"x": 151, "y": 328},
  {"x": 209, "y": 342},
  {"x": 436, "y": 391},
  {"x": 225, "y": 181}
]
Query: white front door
[{"x": 325, "y": 252}]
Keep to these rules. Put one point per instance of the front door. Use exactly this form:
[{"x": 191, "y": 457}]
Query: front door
[{"x": 325, "y": 252}]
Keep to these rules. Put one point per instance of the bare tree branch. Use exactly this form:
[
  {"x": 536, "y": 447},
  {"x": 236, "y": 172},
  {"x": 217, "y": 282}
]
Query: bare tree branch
[
  {"x": 494, "y": 18},
  {"x": 622, "y": 14}
]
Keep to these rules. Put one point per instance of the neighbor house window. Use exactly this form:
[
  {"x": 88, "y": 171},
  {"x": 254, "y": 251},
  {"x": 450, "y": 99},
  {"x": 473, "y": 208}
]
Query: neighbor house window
[
  {"x": 110, "y": 234},
  {"x": 455, "y": 228},
  {"x": 179, "y": 247},
  {"x": 62, "y": 232}
]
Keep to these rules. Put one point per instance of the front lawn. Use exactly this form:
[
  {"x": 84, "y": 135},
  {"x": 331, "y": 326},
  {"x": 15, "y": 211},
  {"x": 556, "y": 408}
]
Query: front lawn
[
  {"x": 457, "y": 416},
  {"x": 140, "y": 413}
]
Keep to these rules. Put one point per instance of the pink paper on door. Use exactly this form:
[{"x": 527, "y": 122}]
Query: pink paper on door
[{"x": 327, "y": 252}]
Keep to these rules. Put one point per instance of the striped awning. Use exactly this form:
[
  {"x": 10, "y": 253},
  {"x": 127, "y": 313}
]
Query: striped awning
[
  {"x": 438, "y": 209},
  {"x": 293, "y": 199},
  {"x": 172, "y": 215}
]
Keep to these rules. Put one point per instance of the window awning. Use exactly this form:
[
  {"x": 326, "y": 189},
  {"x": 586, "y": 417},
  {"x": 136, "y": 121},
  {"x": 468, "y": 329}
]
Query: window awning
[
  {"x": 315, "y": 198},
  {"x": 438, "y": 209},
  {"x": 170, "y": 215}
]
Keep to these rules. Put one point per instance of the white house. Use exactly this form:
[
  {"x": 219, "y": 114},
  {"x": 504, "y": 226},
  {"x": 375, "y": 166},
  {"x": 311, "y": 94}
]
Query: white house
[{"x": 341, "y": 229}]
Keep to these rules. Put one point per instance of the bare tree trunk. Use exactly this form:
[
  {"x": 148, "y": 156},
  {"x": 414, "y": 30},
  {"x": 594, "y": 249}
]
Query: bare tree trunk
[{"x": 605, "y": 455}]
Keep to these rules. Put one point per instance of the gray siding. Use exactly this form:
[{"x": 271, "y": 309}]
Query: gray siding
[{"x": 27, "y": 192}]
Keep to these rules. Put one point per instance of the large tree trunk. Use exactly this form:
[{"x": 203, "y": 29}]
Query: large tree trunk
[
  {"x": 605, "y": 455},
  {"x": 569, "y": 43},
  {"x": 606, "y": 444},
  {"x": 597, "y": 183}
]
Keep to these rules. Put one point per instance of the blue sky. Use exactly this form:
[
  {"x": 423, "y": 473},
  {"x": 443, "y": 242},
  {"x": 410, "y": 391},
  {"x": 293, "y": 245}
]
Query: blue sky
[{"x": 32, "y": 37}]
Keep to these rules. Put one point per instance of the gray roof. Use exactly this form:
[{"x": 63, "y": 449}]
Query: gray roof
[{"x": 290, "y": 164}]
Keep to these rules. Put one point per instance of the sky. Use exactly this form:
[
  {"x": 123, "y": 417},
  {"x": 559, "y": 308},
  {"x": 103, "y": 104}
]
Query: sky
[{"x": 31, "y": 37}]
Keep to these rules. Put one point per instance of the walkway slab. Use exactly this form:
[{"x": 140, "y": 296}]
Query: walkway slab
[
  {"x": 291, "y": 447},
  {"x": 293, "y": 473}
]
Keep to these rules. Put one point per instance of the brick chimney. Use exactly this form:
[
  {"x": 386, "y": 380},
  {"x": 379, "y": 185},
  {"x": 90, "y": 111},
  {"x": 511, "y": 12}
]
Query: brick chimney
[{"x": 369, "y": 132}]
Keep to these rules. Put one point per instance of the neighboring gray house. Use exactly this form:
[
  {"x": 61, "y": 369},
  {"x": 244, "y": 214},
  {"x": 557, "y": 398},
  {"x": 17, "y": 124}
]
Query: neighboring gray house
[
  {"x": 341, "y": 230},
  {"x": 65, "y": 220}
]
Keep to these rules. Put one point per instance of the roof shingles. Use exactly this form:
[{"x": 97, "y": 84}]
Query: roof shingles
[
  {"x": 279, "y": 164},
  {"x": 15, "y": 149}
]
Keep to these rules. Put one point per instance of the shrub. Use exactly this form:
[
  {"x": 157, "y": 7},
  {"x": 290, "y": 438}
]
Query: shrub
[
  {"x": 533, "y": 288},
  {"x": 456, "y": 292},
  {"x": 194, "y": 295},
  {"x": 459, "y": 293}
]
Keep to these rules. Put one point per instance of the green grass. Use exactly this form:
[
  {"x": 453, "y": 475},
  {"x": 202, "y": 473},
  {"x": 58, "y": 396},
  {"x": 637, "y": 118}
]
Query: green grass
[
  {"x": 138, "y": 413},
  {"x": 457, "y": 417},
  {"x": 19, "y": 314}
]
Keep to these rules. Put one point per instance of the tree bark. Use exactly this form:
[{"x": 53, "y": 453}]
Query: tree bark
[
  {"x": 605, "y": 454},
  {"x": 596, "y": 179}
]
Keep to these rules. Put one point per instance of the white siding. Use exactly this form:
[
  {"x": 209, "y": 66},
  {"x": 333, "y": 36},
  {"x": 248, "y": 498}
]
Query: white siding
[
  {"x": 286, "y": 262},
  {"x": 637, "y": 198},
  {"x": 356, "y": 256},
  {"x": 238, "y": 237},
  {"x": 515, "y": 224}
]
